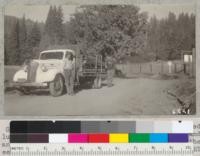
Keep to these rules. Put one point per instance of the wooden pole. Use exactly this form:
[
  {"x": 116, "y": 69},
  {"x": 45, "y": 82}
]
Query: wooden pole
[
  {"x": 151, "y": 68},
  {"x": 193, "y": 62},
  {"x": 175, "y": 67},
  {"x": 96, "y": 63},
  {"x": 162, "y": 71}
]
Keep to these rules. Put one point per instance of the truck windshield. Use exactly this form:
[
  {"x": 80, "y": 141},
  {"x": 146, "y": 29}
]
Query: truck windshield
[{"x": 51, "y": 55}]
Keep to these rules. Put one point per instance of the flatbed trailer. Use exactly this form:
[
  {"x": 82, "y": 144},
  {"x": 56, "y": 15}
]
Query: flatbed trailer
[{"x": 94, "y": 69}]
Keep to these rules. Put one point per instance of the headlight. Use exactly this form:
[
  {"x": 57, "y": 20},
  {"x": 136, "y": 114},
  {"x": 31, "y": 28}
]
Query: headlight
[{"x": 44, "y": 68}]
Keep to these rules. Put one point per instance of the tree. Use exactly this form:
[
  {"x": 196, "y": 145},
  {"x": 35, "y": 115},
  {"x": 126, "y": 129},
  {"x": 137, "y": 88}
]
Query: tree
[
  {"x": 22, "y": 39},
  {"x": 13, "y": 53},
  {"x": 168, "y": 36},
  {"x": 153, "y": 38},
  {"x": 59, "y": 25},
  {"x": 33, "y": 41},
  {"x": 54, "y": 26},
  {"x": 171, "y": 37},
  {"x": 49, "y": 22},
  {"x": 116, "y": 29}
]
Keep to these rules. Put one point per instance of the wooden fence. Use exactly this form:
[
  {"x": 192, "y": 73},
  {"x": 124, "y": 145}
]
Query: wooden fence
[{"x": 151, "y": 68}]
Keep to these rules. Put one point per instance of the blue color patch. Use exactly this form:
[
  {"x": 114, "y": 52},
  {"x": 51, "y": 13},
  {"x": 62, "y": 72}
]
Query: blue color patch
[{"x": 159, "y": 137}]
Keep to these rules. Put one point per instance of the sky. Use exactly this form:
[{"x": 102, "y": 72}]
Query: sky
[{"x": 39, "y": 12}]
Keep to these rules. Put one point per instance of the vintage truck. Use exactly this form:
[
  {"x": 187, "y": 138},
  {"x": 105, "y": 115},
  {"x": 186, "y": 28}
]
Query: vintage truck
[{"x": 47, "y": 72}]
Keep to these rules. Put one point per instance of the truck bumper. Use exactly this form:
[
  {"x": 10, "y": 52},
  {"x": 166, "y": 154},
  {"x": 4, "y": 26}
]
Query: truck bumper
[{"x": 29, "y": 84}]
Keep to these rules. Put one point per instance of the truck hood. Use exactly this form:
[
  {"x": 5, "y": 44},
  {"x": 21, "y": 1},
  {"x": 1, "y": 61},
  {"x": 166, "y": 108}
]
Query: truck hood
[{"x": 50, "y": 63}]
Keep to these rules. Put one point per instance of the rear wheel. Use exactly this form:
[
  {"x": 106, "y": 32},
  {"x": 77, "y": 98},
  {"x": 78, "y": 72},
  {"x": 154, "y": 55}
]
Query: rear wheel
[
  {"x": 56, "y": 87},
  {"x": 97, "y": 83}
]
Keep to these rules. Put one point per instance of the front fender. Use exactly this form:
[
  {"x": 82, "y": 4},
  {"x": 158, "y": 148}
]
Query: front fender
[
  {"x": 20, "y": 74},
  {"x": 47, "y": 76}
]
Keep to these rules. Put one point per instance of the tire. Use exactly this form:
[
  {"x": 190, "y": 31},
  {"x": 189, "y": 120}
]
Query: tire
[
  {"x": 97, "y": 83},
  {"x": 56, "y": 87},
  {"x": 25, "y": 91}
]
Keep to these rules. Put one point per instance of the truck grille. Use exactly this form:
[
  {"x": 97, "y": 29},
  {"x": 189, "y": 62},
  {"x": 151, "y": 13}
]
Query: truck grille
[{"x": 32, "y": 70}]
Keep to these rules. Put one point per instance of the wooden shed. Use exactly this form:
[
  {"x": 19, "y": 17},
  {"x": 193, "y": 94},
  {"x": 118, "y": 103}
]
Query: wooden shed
[{"x": 189, "y": 62}]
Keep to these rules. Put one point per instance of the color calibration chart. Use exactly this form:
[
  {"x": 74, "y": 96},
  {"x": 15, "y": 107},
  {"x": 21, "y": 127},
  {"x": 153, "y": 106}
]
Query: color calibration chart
[{"x": 106, "y": 138}]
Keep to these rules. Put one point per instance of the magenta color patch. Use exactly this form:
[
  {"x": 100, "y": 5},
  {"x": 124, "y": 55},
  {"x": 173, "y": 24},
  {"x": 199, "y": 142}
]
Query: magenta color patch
[{"x": 77, "y": 138}]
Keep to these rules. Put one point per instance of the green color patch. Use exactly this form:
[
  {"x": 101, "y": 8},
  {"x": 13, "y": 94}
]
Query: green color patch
[{"x": 139, "y": 137}]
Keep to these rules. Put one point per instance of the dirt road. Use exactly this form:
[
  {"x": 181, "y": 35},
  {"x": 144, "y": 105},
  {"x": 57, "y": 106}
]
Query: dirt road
[{"x": 128, "y": 96}]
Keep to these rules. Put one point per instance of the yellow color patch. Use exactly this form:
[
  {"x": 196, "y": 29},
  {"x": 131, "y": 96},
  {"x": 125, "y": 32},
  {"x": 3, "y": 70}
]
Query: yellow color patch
[{"x": 118, "y": 138}]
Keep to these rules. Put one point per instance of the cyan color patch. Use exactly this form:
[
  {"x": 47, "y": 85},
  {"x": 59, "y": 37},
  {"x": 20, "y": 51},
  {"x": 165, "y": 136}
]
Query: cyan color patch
[{"x": 159, "y": 137}]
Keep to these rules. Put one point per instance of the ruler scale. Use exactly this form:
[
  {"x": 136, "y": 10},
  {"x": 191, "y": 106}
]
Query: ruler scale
[{"x": 185, "y": 149}]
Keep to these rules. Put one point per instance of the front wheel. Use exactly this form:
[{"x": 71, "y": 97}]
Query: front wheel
[
  {"x": 24, "y": 91},
  {"x": 56, "y": 87}
]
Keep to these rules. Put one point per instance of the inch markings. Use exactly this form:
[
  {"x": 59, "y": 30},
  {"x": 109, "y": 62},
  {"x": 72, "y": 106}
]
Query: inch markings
[{"x": 143, "y": 149}]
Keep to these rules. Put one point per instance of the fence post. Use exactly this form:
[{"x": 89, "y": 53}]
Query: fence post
[
  {"x": 185, "y": 68},
  {"x": 151, "y": 68},
  {"x": 169, "y": 63},
  {"x": 129, "y": 69},
  {"x": 175, "y": 68},
  {"x": 140, "y": 68},
  {"x": 162, "y": 71}
]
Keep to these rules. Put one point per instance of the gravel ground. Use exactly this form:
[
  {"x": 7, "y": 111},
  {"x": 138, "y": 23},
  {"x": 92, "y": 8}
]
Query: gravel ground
[{"x": 139, "y": 96}]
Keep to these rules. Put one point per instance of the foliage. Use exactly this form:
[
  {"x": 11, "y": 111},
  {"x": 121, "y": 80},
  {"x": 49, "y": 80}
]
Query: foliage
[
  {"x": 33, "y": 41},
  {"x": 53, "y": 31},
  {"x": 116, "y": 29},
  {"x": 19, "y": 42},
  {"x": 167, "y": 37},
  {"x": 120, "y": 30},
  {"x": 12, "y": 52}
]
